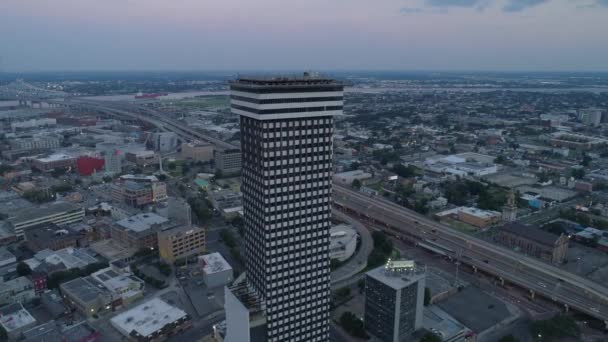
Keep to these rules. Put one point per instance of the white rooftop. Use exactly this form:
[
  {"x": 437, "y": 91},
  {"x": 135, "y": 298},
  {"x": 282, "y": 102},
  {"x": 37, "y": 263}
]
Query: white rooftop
[
  {"x": 147, "y": 318},
  {"x": 214, "y": 262},
  {"x": 141, "y": 222},
  {"x": 17, "y": 319},
  {"x": 398, "y": 274},
  {"x": 55, "y": 157}
]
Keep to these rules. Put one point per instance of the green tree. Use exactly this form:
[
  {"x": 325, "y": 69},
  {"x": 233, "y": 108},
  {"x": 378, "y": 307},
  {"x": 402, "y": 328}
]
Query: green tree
[
  {"x": 3, "y": 334},
  {"x": 23, "y": 269},
  {"x": 578, "y": 173},
  {"x": 559, "y": 326},
  {"x": 352, "y": 324},
  {"x": 586, "y": 160},
  {"x": 172, "y": 166},
  {"x": 356, "y": 184},
  {"x": 427, "y": 296},
  {"x": 500, "y": 160},
  {"x": 509, "y": 338},
  {"x": 430, "y": 337}
]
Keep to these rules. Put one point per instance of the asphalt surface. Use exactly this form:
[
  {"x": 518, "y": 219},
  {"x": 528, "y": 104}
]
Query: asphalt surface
[{"x": 357, "y": 262}]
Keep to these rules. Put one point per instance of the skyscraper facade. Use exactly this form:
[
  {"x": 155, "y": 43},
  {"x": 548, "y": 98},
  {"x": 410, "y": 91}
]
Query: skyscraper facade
[{"x": 286, "y": 143}]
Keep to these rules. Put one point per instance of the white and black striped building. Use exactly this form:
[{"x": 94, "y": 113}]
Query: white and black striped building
[{"x": 286, "y": 142}]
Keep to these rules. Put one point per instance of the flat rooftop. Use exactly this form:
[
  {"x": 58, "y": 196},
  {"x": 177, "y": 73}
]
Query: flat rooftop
[
  {"x": 85, "y": 290},
  {"x": 304, "y": 79},
  {"x": 147, "y": 318},
  {"x": 55, "y": 208},
  {"x": 14, "y": 316},
  {"x": 397, "y": 279},
  {"x": 214, "y": 263},
  {"x": 141, "y": 222}
]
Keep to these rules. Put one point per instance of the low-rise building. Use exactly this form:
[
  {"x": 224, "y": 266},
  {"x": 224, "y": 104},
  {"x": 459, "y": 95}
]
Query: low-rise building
[
  {"x": 18, "y": 290},
  {"x": 534, "y": 242},
  {"x": 123, "y": 286},
  {"x": 154, "y": 320},
  {"x": 197, "y": 150},
  {"x": 473, "y": 216},
  {"x": 142, "y": 158},
  {"x": 54, "y": 161},
  {"x": 53, "y": 331},
  {"x": 15, "y": 319},
  {"x": 58, "y": 213},
  {"x": 50, "y": 236},
  {"x": 181, "y": 242},
  {"x": 138, "y": 191},
  {"x": 86, "y": 297},
  {"x": 216, "y": 270},
  {"x": 343, "y": 242},
  {"x": 347, "y": 178},
  {"x": 227, "y": 202},
  {"x": 140, "y": 231}
]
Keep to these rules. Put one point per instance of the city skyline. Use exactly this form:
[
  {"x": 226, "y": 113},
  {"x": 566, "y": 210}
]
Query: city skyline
[{"x": 501, "y": 35}]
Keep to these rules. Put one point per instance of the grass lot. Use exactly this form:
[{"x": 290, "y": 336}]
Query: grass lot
[
  {"x": 204, "y": 102},
  {"x": 461, "y": 226}
]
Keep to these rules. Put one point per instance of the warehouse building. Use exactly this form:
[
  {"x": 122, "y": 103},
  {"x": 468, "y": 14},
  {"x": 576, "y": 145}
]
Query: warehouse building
[
  {"x": 154, "y": 320},
  {"x": 534, "y": 242}
]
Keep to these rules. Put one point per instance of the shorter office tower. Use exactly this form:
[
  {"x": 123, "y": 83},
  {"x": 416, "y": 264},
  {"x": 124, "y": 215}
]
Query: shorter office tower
[
  {"x": 112, "y": 161},
  {"x": 138, "y": 191},
  {"x": 181, "y": 242},
  {"x": 87, "y": 297},
  {"x": 197, "y": 151},
  {"x": 154, "y": 320},
  {"x": 245, "y": 315},
  {"x": 140, "y": 231},
  {"x": 394, "y": 300},
  {"x": 228, "y": 161},
  {"x": 532, "y": 241},
  {"x": 216, "y": 270},
  {"x": 164, "y": 141}
]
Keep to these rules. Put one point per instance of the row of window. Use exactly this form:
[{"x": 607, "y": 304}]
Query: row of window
[
  {"x": 286, "y": 110},
  {"x": 287, "y": 89},
  {"x": 286, "y": 100}
]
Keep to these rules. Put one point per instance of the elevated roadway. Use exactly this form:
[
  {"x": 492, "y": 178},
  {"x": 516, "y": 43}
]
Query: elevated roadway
[{"x": 540, "y": 278}]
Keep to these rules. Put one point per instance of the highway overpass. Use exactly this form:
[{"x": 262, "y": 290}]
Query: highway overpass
[{"x": 538, "y": 277}]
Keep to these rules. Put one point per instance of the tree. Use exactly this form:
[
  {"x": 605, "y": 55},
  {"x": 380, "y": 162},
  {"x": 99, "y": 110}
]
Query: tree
[
  {"x": 500, "y": 160},
  {"x": 578, "y": 173},
  {"x": 586, "y": 159},
  {"x": 560, "y": 325},
  {"x": 509, "y": 338},
  {"x": 427, "y": 296},
  {"x": 356, "y": 184},
  {"x": 23, "y": 269},
  {"x": 352, "y": 324},
  {"x": 404, "y": 171},
  {"x": 430, "y": 337},
  {"x": 3, "y": 334},
  {"x": 172, "y": 166}
]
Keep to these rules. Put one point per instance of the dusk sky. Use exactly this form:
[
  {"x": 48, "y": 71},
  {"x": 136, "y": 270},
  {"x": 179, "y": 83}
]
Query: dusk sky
[{"x": 303, "y": 34}]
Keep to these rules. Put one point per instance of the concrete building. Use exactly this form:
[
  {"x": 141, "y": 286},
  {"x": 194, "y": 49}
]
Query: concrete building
[
  {"x": 343, "y": 242},
  {"x": 15, "y": 319},
  {"x": 394, "y": 300},
  {"x": 228, "y": 161},
  {"x": 534, "y": 242},
  {"x": 86, "y": 297},
  {"x": 509, "y": 211},
  {"x": 181, "y": 242},
  {"x": 54, "y": 161},
  {"x": 286, "y": 141},
  {"x": 112, "y": 161},
  {"x": 164, "y": 141},
  {"x": 18, "y": 290},
  {"x": 138, "y": 191},
  {"x": 125, "y": 288},
  {"x": 216, "y": 270},
  {"x": 227, "y": 202},
  {"x": 197, "y": 151},
  {"x": 58, "y": 213},
  {"x": 33, "y": 123},
  {"x": 53, "y": 331},
  {"x": 347, "y": 178},
  {"x": 591, "y": 116},
  {"x": 154, "y": 320},
  {"x": 140, "y": 231},
  {"x": 179, "y": 211},
  {"x": 476, "y": 217},
  {"x": 43, "y": 142},
  {"x": 142, "y": 158},
  {"x": 50, "y": 236}
]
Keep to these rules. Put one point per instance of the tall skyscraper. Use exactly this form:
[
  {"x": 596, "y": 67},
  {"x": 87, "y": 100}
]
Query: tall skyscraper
[{"x": 286, "y": 144}]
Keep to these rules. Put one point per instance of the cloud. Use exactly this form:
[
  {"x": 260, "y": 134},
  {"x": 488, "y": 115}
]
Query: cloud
[
  {"x": 602, "y": 3},
  {"x": 453, "y": 3},
  {"x": 520, "y": 5}
]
